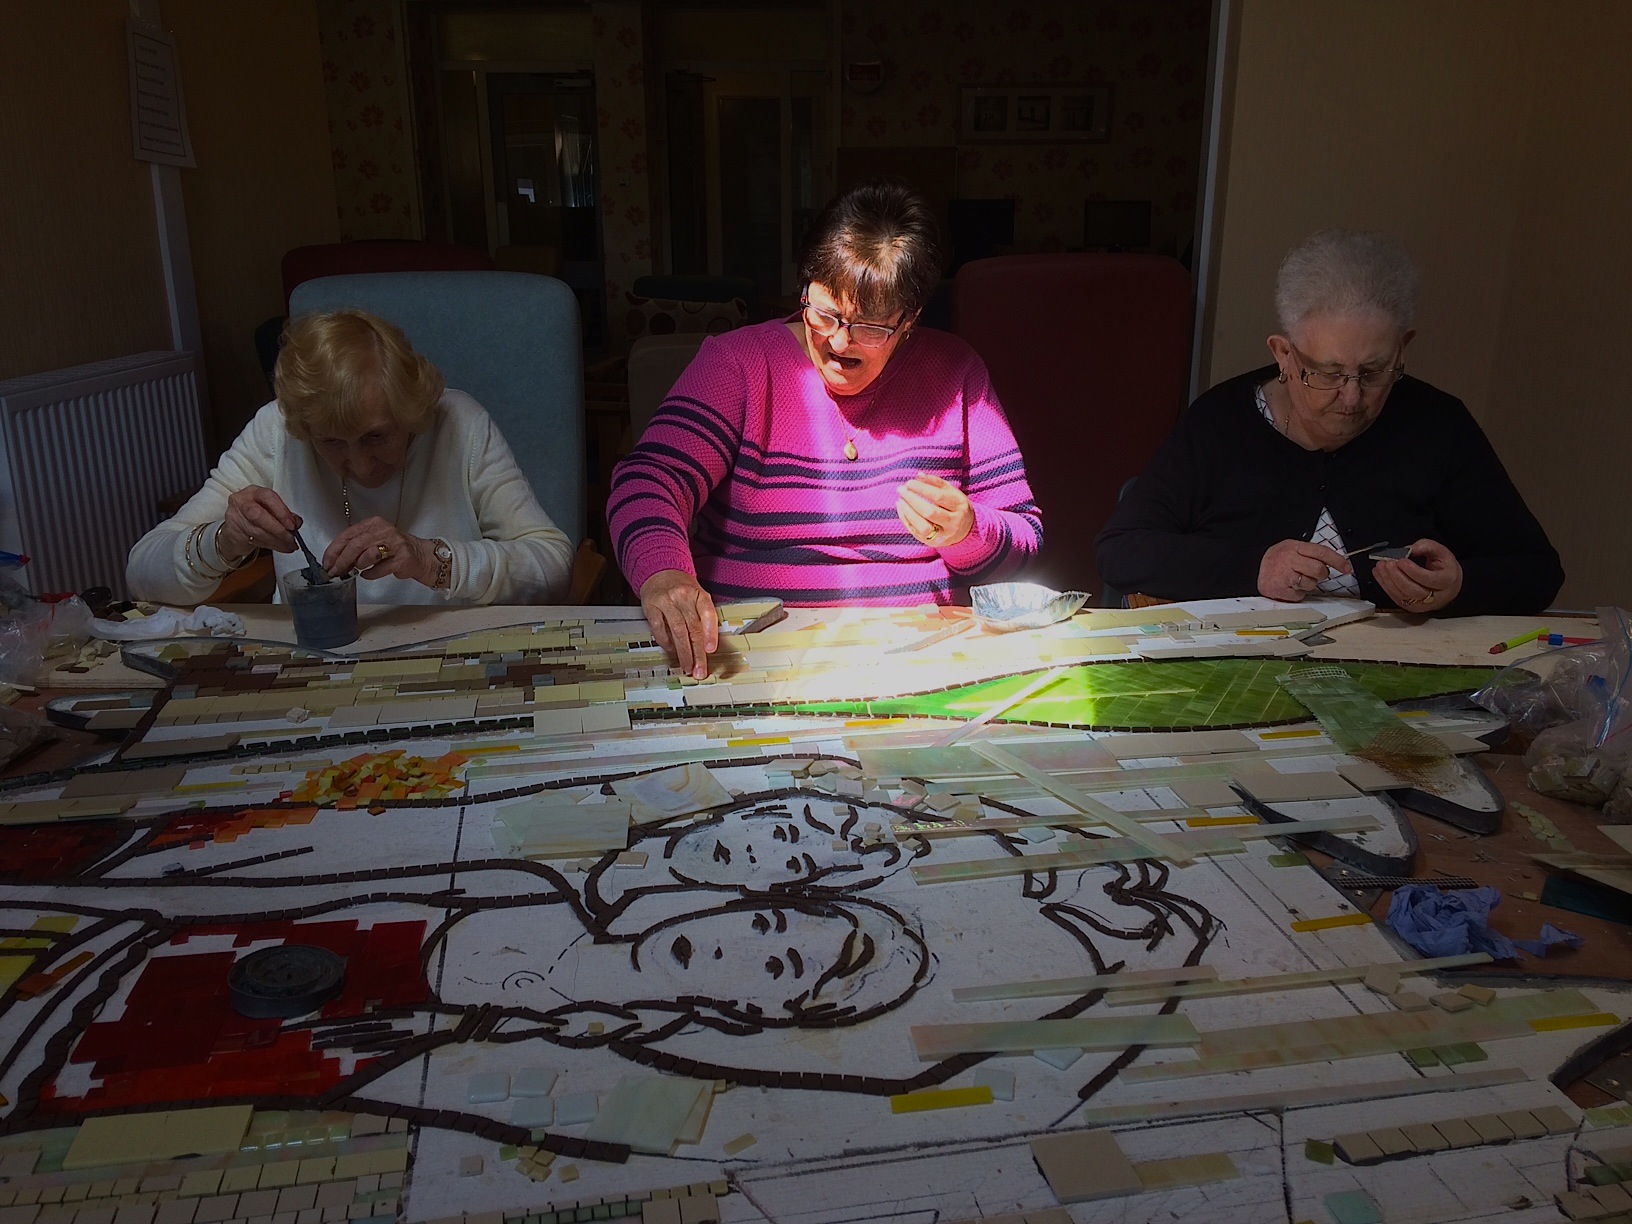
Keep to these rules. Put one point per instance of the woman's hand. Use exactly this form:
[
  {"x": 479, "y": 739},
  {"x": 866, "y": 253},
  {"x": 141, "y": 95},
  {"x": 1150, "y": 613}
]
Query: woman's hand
[
  {"x": 256, "y": 518},
  {"x": 1426, "y": 581},
  {"x": 1292, "y": 569},
  {"x": 378, "y": 550},
  {"x": 682, "y": 618},
  {"x": 935, "y": 511}
]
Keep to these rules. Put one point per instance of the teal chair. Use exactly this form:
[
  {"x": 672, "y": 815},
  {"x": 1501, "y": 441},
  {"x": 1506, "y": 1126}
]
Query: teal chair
[{"x": 510, "y": 340}]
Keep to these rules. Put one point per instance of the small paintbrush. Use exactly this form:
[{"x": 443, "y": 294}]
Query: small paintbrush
[{"x": 316, "y": 575}]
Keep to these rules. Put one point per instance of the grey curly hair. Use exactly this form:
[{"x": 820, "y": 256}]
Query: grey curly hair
[{"x": 1346, "y": 272}]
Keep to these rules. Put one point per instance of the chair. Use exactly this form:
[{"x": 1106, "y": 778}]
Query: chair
[
  {"x": 377, "y": 255},
  {"x": 508, "y": 339},
  {"x": 302, "y": 264},
  {"x": 1090, "y": 355},
  {"x": 655, "y": 364}
]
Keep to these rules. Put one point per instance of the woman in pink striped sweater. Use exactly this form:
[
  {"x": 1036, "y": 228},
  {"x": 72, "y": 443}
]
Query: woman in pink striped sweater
[{"x": 840, "y": 456}]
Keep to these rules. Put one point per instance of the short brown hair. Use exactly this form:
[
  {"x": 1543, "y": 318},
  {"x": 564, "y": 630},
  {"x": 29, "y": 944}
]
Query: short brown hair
[
  {"x": 878, "y": 247},
  {"x": 331, "y": 364}
]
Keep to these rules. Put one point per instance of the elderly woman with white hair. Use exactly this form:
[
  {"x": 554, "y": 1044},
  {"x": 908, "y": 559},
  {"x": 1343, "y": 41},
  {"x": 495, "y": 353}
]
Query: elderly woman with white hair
[
  {"x": 385, "y": 471},
  {"x": 1272, "y": 479}
]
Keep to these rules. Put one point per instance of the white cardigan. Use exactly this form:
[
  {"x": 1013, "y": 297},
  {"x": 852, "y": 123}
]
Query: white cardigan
[{"x": 461, "y": 484}]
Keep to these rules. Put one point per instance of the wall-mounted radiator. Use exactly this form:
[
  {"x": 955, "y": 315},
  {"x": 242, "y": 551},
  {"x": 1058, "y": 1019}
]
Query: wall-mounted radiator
[{"x": 86, "y": 455}]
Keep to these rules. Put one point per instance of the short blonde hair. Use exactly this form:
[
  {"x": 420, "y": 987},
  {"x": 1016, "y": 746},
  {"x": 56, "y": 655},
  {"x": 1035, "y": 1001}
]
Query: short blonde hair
[{"x": 332, "y": 365}]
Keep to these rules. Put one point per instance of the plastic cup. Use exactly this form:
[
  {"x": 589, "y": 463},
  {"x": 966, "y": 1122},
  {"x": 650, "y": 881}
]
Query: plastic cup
[{"x": 326, "y": 614}]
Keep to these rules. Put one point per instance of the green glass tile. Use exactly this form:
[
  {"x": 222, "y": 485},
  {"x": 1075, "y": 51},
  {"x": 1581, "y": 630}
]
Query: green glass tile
[
  {"x": 1290, "y": 859},
  {"x": 508, "y": 1152},
  {"x": 1164, "y": 695},
  {"x": 1353, "y": 1207},
  {"x": 1602, "y": 1175},
  {"x": 1423, "y": 1057},
  {"x": 1461, "y": 1052},
  {"x": 1322, "y": 1153}
]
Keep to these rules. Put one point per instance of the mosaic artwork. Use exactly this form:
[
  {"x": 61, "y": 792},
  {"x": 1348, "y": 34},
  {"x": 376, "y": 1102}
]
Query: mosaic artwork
[{"x": 602, "y": 941}]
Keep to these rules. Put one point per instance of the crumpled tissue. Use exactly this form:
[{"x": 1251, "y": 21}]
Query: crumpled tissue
[
  {"x": 1439, "y": 923},
  {"x": 169, "y": 623}
]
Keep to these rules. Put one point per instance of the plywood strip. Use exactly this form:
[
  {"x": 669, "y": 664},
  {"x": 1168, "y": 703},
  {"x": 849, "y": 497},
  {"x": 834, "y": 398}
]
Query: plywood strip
[
  {"x": 937, "y": 1041},
  {"x": 1340, "y": 1037},
  {"x": 1292, "y": 981},
  {"x": 1071, "y": 986},
  {"x": 1300, "y": 1098},
  {"x": 1124, "y": 849}
]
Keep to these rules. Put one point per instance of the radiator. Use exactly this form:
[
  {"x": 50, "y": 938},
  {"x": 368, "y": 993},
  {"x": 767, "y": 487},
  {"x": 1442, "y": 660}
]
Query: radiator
[{"x": 86, "y": 455}]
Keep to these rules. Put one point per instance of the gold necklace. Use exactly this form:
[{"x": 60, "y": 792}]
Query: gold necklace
[
  {"x": 345, "y": 499},
  {"x": 850, "y": 451}
]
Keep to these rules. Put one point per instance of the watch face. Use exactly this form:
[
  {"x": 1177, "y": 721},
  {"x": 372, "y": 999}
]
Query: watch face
[{"x": 444, "y": 552}]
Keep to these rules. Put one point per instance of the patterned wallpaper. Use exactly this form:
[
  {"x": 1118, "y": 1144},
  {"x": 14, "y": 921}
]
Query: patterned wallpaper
[
  {"x": 620, "y": 97},
  {"x": 371, "y": 126},
  {"x": 1153, "y": 55}
]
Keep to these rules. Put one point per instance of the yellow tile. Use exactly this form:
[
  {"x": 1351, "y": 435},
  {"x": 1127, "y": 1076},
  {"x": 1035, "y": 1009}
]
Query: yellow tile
[
  {"x": 940, "y": 1098},
  {"x": 196, "y": 1185},
  {"x": 244, "y": 1177},
  {"x": 1336, "y": 920},
  {"x": 1548, "y": 1024},
  {"x": 355, "y": 1164},
  {"x": 317, "y": 1169},
  {"x": 279, "y": 1174}
]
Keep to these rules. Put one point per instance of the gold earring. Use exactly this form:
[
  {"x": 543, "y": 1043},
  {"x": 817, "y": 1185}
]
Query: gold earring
[{"x": 1280, "y": 376}]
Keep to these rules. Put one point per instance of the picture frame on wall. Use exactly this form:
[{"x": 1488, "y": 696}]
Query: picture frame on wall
[{"x": 1034, "y": 114}]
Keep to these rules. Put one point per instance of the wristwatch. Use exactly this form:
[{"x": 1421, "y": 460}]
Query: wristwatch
[{"x": 443, "y": 553}]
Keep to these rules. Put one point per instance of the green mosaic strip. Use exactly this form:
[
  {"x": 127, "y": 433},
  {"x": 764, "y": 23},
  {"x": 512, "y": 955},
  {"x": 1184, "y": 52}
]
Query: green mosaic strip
[{"x": 1166, "y": 695}]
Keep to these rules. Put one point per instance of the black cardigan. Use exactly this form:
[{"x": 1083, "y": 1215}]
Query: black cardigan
[{"x": 1226, "y": 485}]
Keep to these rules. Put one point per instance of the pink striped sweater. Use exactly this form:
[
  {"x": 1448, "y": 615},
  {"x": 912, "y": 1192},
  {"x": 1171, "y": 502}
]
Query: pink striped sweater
[{"x": 741, "y": 477}]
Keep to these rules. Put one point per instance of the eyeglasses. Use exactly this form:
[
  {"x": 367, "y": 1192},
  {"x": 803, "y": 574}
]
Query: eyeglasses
[
  {"x": 1368, "y": 380},
  {"x": 826, "y": 323}
]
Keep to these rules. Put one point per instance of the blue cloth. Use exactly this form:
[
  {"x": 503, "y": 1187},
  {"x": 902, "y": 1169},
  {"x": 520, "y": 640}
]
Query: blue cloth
[{"x": 1439, "y": 923}]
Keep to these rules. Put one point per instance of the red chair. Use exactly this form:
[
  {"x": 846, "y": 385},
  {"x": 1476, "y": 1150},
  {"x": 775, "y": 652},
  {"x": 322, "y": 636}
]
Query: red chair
[
  {"x": 377, "y": 255},
  {"x": 1090, "y": 355}
]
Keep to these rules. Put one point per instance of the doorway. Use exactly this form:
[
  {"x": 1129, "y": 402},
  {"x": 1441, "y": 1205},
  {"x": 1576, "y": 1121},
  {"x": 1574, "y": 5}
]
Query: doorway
[{"x": 748, "y": 169}]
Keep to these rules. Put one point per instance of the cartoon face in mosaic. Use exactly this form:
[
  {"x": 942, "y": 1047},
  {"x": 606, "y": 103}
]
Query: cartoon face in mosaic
[{"x": 774, "y": 845}]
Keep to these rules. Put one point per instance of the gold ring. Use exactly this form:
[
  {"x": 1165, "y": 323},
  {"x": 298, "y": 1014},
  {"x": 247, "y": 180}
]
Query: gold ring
[
  {"x": 934, "y": 530},
  {"x": 385, "y": 553}
]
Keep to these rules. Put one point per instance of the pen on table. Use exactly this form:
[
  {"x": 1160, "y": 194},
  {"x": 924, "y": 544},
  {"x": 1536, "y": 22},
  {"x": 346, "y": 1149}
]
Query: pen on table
[{"x": 1521, "y": 640}]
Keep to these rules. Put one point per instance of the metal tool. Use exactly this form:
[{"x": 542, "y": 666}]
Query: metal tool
[{"x": 316, "y": 575}]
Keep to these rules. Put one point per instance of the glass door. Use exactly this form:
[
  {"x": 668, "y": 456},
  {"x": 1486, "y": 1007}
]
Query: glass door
[
  {"x": 748, "y": 169},
  {"x": 546, "y": 184}
]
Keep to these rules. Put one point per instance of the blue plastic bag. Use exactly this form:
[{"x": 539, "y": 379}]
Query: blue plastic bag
[{"x": 1440, "y": 923}]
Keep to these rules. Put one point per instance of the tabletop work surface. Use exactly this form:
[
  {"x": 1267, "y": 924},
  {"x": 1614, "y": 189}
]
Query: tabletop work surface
[{"x": 497, "y": 917}]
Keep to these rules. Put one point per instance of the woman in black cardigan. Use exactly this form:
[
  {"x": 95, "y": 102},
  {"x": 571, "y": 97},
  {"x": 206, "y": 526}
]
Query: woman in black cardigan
[{"x": 1270, "y": 478}]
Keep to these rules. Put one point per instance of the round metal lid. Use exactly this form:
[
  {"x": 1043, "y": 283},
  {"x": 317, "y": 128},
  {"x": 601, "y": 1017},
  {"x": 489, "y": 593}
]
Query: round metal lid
[{"x": 283, "y": 982}]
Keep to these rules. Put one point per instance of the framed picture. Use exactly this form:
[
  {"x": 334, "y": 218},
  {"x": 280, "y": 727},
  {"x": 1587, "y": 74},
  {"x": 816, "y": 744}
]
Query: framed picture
[{"x": 1043, "y": 114}]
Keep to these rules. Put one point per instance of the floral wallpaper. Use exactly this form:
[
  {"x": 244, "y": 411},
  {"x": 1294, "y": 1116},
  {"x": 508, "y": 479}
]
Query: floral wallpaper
[
  {"x": 620, "y": 98},
  {"x": 371, "y": 126},
  {"x": 1153, "y": 55}
]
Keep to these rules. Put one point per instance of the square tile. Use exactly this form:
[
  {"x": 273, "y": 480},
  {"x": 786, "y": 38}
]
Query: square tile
[
  {"x": 532, "y": 1082},
  {"x": 1353, "y": 1207},
  {"x": 576, "y": 1108},
  {"x": 487, "y": 1088},
  {"x": 1082, "y": 1166}
]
